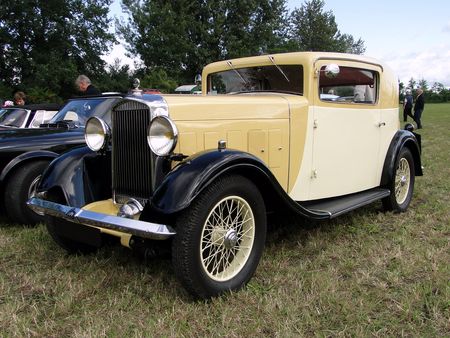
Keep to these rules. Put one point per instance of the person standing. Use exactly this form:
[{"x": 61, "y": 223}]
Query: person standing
[
  {"x": 407, "y": 106},
  {"x": 85, "y": 86},
  {"x": 418, "y": 108}
]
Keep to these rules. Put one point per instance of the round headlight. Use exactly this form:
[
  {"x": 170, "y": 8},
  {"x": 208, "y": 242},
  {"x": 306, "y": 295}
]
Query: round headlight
[
  {"x": 96, "y": 133},
  {"x": 162, "y": 135}
]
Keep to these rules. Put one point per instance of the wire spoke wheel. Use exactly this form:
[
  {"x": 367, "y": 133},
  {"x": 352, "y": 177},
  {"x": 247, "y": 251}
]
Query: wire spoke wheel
[
  {"x": 220, "y": 237},
  {"x": 402, "y": 180},
  {"x": 227, "y": 238},
  {"x": 401, "y": 184}
]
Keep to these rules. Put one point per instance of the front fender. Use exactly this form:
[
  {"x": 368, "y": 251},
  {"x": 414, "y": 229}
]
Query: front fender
[
  {"x": 190, "y": 177},
  {"x": 183, "y": 184},
  {"x": 22, "y": 158},
  {"x": 82, "y": 176},
  {"x": 403, "y": 138}
]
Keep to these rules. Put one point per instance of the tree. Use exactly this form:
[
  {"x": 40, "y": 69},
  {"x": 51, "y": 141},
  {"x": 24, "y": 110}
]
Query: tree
[
  {"x": 116, "y": 78},
  {"x": 423, "y": 84},
  {"x": 46, "y": 44},
  {"x": 181, "y": 37},
  {"x": 313, "y": 29},
  {"x": 412, "y": 84}
]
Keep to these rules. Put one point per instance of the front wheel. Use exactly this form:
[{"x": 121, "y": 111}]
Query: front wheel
[
  {"x": 402, "y": 183},
  {"x": 20, "y": 187},
  {"x": 220, "y": 237}
]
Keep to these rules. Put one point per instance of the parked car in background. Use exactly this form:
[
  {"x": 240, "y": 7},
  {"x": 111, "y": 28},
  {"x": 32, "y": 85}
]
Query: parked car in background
[
  {"x": 28, "y": 116},
  {"x": 204, "y": 170},
  {"x": 26, "y": 152},
  {"x": 188, "y": 89}
]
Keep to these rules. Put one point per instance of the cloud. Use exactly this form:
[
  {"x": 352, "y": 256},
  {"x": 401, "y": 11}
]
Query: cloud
[
  {"x": 446, "y": 28},
  {"x": 431, "y": 64}
]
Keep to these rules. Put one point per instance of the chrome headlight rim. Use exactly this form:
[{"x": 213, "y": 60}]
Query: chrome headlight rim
[
  {"x": 97, "y": 128},
  {"x": 153, "y": 136}
]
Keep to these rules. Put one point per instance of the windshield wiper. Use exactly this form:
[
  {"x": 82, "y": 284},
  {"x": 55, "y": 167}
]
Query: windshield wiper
[
  {"x": 278, "y": 67},
  {"x": 235, "y": 70}
]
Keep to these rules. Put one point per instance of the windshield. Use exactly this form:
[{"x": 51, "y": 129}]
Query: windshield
[
  {"x": 80, "y": 110},
  {"x": 13, "y": 117},
  {"x": 274, "y": 78}
]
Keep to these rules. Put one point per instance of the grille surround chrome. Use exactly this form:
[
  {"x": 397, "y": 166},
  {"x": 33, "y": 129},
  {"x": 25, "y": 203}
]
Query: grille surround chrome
[{"x": 132, "y": 159}]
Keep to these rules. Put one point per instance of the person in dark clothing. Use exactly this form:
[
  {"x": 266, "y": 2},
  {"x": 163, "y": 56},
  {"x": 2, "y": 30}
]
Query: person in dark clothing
[
  {"x": 418, "y": 108},
  {"x": 407, "y": 106},
  {"x": 84, "y": 85}
]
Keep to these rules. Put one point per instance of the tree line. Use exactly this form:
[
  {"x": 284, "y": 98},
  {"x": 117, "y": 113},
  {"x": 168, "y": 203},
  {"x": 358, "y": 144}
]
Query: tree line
[
  {"x": 435, "y": 93},
  {"x": 46, "y": 44}
]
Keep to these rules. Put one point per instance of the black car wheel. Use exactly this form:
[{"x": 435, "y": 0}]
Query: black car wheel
[
  {"x": 402, "y": 183},
  {"x": 54, "y": 227},
  {"x": 220, "y": 237},
  {"x": 19, "y": 188}
]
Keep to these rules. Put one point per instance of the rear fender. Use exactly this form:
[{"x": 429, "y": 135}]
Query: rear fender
[{"x": 403, "y": 138}]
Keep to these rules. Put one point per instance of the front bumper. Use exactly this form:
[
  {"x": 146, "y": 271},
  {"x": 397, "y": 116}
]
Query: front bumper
[{"x": 96, "y": 219}]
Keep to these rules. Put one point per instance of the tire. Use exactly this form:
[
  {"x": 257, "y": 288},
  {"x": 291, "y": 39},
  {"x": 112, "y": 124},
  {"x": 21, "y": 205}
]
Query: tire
[
  {"x": 402, "y": 184},
  {"x": 70, "y": 245},
  {"x": 19, "y": 188},
  {"x": 210, "y": 253}
]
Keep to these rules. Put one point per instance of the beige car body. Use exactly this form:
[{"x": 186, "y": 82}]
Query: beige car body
[{"x": 315, "y": 149}]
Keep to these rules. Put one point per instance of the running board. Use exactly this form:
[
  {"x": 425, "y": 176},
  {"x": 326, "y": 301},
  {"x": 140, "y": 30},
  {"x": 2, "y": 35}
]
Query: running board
[{"x": 340, "y": 205}]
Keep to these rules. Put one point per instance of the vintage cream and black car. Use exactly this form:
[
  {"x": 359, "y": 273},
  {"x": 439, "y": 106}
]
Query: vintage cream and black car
[{"x": 314, "y": 132}]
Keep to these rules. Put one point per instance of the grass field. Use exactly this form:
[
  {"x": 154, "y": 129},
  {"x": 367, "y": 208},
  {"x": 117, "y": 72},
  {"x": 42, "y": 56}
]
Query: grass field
[{"x": 367, "y": 273}]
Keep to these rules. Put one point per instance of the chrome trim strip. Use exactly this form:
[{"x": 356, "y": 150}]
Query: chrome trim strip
[{"x": 96, "y": 219}]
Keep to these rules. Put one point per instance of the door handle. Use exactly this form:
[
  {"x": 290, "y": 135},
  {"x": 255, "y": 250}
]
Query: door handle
[{"x": 381, "y": 124}]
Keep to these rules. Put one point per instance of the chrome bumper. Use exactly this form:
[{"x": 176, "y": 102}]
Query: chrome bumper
[{"x": 96, "y": 219}]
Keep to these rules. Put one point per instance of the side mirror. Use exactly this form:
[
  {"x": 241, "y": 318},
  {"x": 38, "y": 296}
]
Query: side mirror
[
  {"x": 332, "y": 70},
  {"x": 198, "y": 79}
]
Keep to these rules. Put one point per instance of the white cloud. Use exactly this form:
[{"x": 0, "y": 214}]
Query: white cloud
[
  {"x": 446, "y": 28},
  {"x": 431, "y": 64}
]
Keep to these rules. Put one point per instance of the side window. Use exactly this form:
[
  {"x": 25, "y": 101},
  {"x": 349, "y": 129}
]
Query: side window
[{"x": 351, "y": 85}]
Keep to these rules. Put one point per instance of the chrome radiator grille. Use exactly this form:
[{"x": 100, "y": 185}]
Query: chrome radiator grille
[{"x": 131, "y": 155}]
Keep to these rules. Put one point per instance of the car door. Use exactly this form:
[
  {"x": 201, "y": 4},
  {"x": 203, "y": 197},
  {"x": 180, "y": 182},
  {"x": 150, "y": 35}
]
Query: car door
[{"x": 346, "y": 130}]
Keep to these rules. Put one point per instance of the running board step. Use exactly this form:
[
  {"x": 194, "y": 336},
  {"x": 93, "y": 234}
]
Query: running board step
[{"x": 340, "y": 205}]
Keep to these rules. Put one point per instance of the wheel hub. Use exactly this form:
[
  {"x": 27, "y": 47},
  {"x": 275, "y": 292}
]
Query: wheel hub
[
  {"x": 403, "y": 180},
  {"x": 230, "y": 238}
]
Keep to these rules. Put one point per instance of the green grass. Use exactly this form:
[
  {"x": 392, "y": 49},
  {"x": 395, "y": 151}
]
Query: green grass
[{"x": 367, "y": 273}]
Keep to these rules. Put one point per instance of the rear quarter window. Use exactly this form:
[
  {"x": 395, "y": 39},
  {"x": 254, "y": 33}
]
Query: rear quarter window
[{"x": 351, "y": 85}]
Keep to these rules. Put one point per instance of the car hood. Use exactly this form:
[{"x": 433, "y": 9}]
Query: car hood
[{"x": 39, "y": 138}]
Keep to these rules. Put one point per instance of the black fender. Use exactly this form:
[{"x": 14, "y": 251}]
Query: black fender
[
  {"x": 80, "y": 175},
  {"x": 183, "y": 184},
  {"x": 23, "y": 158},
  {"x": 403, "y": 138}
]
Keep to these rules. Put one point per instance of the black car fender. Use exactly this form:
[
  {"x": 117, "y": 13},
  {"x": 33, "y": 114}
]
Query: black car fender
[
  {"x": 189, "y": 178},
  {"x": 23, "y": 158},
  {"x": 403, "y": 138},
  {"x": 80, "y": 175}
]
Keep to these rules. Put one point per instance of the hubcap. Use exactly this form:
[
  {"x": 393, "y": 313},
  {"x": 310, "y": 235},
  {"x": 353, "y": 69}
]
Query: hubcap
[
  {"x": 227, "y": 238},
  {"x": 402, "y": 180},
  {"x": 32, "y": 192}
]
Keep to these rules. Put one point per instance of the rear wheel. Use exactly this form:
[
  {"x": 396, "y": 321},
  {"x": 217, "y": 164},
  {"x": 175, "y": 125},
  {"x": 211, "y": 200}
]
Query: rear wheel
[
  {"x": 220, "y": 237},
  {"x": 402, "y": 183},
  {"x": 19, "y": 188}
]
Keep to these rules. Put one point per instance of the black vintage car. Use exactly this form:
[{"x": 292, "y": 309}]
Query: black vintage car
[
  {"x": 25, "y": 153},
  {"x": 28, "y": 116}
]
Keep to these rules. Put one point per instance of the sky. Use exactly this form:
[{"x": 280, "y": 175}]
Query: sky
[{"x": 411, "y": 36}]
